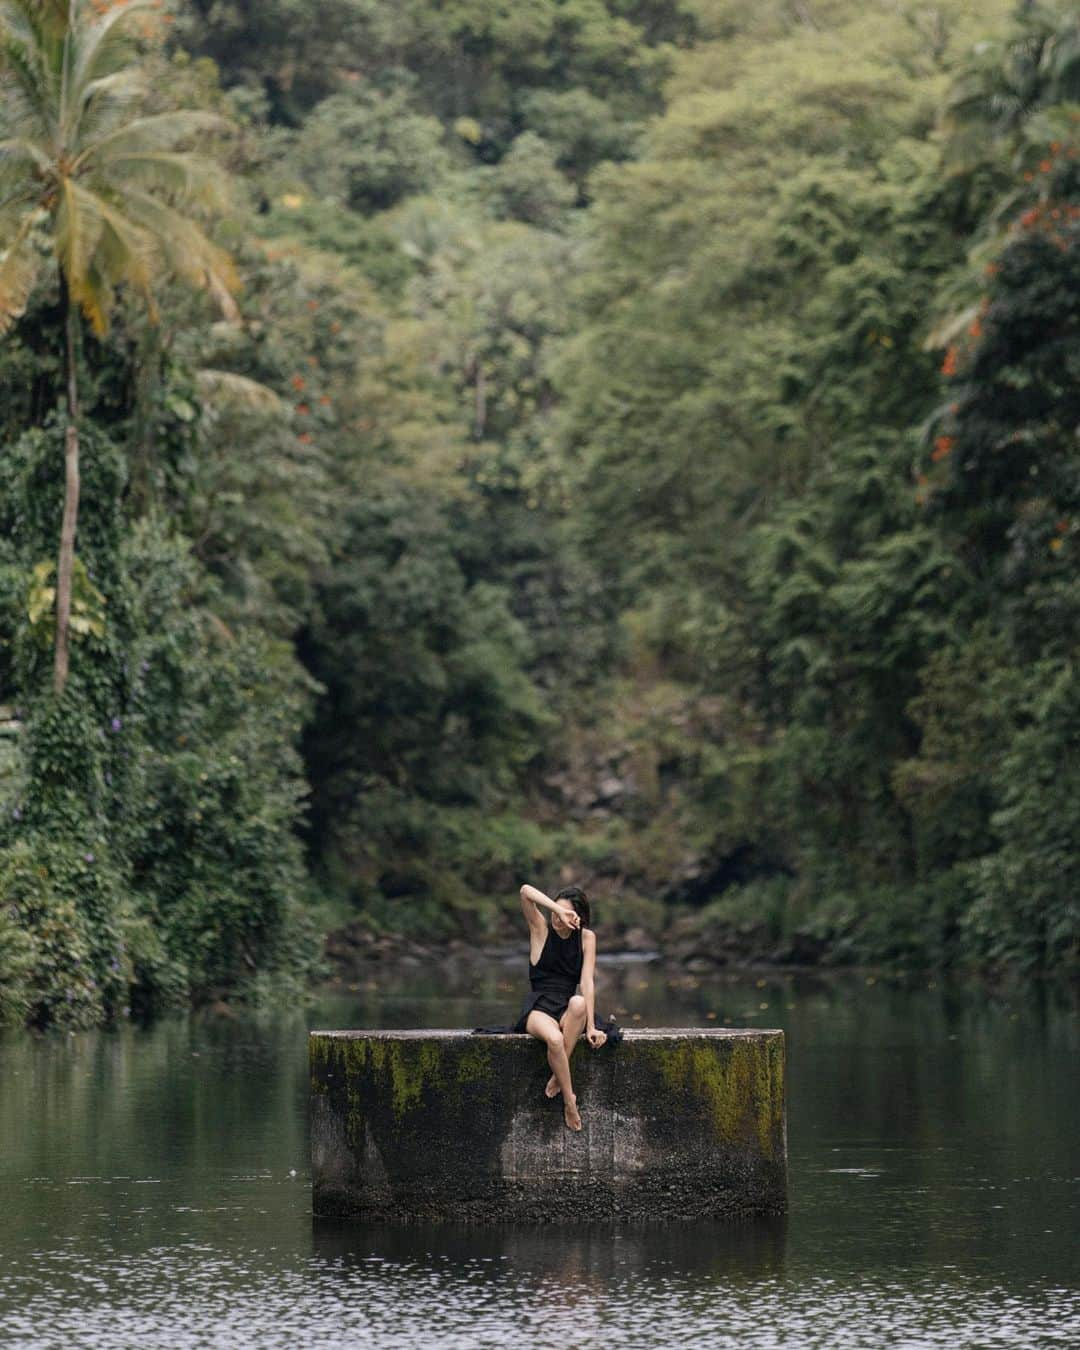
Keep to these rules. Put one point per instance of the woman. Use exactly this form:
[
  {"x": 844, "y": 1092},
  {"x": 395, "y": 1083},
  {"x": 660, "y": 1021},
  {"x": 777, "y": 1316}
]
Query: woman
[{"x": 562, "y": 956}]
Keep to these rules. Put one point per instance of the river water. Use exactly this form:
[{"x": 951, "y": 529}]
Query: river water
[{"x": 154, "y": 1183}]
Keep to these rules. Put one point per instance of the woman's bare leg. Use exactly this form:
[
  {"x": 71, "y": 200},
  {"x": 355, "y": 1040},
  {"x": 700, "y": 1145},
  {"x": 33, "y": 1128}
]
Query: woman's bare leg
[
  {"x": 546, "y": 1029},
  {"x": 573, "y": 1024}
]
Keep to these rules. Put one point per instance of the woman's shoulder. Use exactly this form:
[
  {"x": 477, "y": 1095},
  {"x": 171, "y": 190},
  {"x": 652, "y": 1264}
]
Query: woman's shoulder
[{"x": 587, "y": 935}]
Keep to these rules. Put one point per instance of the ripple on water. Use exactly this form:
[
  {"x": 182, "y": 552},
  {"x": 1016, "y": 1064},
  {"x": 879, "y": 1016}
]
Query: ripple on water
[
  {"x": 153, "y": 1191},
  {"x": 526, "y": 1287}
]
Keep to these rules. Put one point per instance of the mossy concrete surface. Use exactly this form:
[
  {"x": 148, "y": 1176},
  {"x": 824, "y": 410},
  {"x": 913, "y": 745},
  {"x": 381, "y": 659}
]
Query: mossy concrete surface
[{"x": 421, "y": 1125}]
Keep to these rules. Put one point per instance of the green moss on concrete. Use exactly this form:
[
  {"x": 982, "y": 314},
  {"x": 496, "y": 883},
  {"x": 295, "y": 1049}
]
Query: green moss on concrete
[
  {"x": 740, "y": 1082},
  {"x": 474, "y": 1064},
  {"x": 407, "y": 1074},
  {"x": 318, "y": 1055},
  {"x": 776, "y": 1083},
  {"x": 412, "y": 1065}
]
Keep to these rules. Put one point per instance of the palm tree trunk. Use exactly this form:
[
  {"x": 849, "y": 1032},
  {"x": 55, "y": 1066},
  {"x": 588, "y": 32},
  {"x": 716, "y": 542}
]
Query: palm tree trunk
[{"x": 65, "y": 563}]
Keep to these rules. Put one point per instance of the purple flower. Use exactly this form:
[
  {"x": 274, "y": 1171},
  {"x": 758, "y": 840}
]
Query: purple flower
[
  {"x": 114, "y": 964},
  {"x": 89, "y": 857},
  {"x": 108, "y": 779},
  {"x": 16, "y": 814},
  {"x": 144, "y": 666},
  {"x": 116, "y": 724},
  {"x": 70, "y": 995}
]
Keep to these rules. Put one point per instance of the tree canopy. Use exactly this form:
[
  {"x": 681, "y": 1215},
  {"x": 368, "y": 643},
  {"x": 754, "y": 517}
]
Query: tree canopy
[{"x": 630, "y": 440}]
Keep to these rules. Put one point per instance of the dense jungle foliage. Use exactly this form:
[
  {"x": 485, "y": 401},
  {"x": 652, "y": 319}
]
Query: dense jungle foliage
[{"x": 629, "y": 441}]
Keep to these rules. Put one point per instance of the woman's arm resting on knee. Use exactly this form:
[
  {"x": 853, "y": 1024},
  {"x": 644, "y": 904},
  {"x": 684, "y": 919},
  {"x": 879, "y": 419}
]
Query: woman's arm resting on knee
[{"x": 588, "y": 988}]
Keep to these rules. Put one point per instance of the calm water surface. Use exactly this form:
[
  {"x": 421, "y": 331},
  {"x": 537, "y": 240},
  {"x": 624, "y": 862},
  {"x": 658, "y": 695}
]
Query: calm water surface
[{"x": 154, "y": 1185}]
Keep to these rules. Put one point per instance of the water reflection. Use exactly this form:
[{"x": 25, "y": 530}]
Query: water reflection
[
  {"x": 154, "y": 1185},
  {"x": 575, "y": 1261}
]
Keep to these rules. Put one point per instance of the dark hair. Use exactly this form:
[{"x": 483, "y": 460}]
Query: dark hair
[{"x": 580, "y": 902}]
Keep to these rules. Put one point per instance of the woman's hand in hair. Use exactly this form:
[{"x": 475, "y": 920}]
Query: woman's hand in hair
[{"x": 567, "y": 913}]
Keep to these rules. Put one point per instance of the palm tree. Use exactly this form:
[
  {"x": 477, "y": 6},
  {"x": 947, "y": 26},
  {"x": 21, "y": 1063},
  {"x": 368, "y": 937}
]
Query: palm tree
[
  {"x": 1005, "y": 83},
  {"x": 98, "y": 187}
]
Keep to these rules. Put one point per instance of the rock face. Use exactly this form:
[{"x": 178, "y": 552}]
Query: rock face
[{"x": 444, "y": 1125}]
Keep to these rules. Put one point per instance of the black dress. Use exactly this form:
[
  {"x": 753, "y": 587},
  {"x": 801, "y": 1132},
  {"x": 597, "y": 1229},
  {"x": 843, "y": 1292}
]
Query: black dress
[{"x": 554, "y": 978}]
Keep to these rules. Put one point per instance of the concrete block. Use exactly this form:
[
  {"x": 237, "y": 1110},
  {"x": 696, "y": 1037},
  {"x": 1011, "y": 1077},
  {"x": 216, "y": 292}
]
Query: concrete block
[{"x": 410, "y": 1126}]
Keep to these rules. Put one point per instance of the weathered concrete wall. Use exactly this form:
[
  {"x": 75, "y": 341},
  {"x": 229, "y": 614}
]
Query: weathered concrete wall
[{"x": 678, "y": 1124}]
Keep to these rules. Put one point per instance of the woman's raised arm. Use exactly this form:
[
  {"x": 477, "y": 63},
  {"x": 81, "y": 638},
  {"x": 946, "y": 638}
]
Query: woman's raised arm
[{"x": 532, "y": 901}]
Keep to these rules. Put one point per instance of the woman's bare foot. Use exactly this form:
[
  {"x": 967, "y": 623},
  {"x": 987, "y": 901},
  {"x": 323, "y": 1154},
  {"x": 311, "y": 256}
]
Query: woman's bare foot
[
  {"x": 571, "y": 1114},
  {"x": 553, "y": 1089}
]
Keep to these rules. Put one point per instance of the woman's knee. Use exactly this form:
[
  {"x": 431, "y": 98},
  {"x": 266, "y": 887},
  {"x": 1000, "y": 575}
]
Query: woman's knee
[
  {"x": 576, "y": 1007},
  {"x": 555, "y": 1040}
]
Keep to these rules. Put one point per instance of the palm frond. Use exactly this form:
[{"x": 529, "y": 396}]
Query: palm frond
[
  {"x": 101, "y": 48},
  {"x": 49, "y": 16},
  {"x": 102, "y": 292},
  {"x": 108, "y": 104},
  {"x": 22, "y": 150},
  {"x": 130, "y": 254},
  {"x": 191, "y": 178},
  {"x": 19, "y": 266},
  {"x": 78, "y": 228},
  {"x": 25, "y": 86},
  {"x": 159, "y": 131},
  {"x": 950, "y": 328},
  {"x": 188, "y": 251}
]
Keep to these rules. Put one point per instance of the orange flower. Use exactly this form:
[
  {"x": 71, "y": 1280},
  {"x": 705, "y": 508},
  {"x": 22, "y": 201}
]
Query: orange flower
[
  {"x": 324, "y": 399},
  {"x": 1061, "y": 526},
  {"x": 298, "y": 381},
  {"x": 1055, "y": 545},
  {"x": 1045, "y": 166},
  {"x": 302, "y": 409},
  {"x": 948, "y": 366},
  {"x": 1028, "y": 176},
  {"x": 305, "y": 437},
  {"x": 1029, "y": 217},
  {"x": 313, "y": 304},
  {"x": 975, "y": 330},
  {"x": 942, "y": 447}
]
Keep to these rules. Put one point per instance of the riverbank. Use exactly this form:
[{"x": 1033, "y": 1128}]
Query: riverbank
[
  {"x": 686, "y": 950},
  {"x": 358, "y": 946}
]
